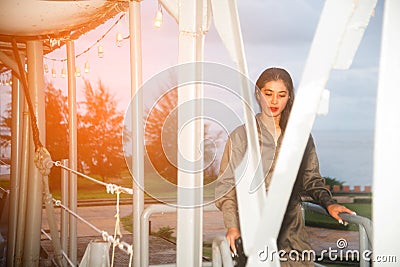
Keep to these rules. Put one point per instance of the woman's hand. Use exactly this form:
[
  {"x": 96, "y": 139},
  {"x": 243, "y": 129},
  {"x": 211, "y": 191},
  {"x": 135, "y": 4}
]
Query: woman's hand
[
  {"x": 232, "y": 234},
  {"x": 335, "y": 209}
]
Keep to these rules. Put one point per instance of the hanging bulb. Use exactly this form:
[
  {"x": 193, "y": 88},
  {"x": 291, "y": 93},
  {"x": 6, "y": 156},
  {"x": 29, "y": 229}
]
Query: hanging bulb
[
  {"x": 86, "y": 67},
  {"x": 159, "y": 17},
  {"x": 63, "y": 72},
  {"x": 46, "y": 68},
  {"x": 100, "y": 51},
  {"x": 53, "y": 72},
  {"x": 77, "y": 72},
  {"x": 10, "y": 82},
  {"x": 119, "y": 39}
]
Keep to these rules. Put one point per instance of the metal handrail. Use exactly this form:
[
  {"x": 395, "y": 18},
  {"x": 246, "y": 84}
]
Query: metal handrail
[
  {"x": 365, "y": 229},
  {"x": 351, "y": 218},
  {"x": 364, "y": 225},
  {"x": 221, "y": 254},
  {"x": 144, "y": 226}
]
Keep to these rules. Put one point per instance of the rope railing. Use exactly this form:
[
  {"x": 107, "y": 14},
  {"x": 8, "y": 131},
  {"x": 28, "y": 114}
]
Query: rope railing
[
  {"x": 44, "y": 163},
  {"x": 4, "y": 163},
  {"x": 4, "y": 190},
  {"x": 122, "y": 245},
  {"x": 111, "y": 188}
]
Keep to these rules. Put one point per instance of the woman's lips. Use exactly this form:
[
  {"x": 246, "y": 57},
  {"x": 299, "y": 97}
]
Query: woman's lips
[{"x": 273, "y": 109}]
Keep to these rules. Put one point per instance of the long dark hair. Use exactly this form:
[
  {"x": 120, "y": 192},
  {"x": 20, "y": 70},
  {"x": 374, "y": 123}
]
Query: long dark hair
[{"x": 278, "y": 74}]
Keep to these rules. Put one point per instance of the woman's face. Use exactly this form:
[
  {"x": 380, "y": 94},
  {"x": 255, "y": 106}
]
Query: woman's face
[{"x": 273, "y": 98}]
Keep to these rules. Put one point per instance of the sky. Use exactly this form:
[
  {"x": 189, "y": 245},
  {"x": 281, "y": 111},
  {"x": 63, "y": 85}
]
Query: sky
[{"x": 274, "y": 34}]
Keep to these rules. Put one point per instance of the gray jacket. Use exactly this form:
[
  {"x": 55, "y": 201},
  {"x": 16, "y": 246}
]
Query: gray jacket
[{"x": 292, "y": 235}]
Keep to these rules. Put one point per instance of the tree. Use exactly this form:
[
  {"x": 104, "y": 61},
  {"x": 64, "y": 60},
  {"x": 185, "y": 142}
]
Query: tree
[
  {"x": 5, "y": 126},
  {"x": 333, "y": 181},
  {"x": 56, "y": 129},
  {"x": 56, "y": 122},
  {"x": 100, "y": 133},
  {"x": 162, "y": 122},
  {"x": 161, "y": 140}
]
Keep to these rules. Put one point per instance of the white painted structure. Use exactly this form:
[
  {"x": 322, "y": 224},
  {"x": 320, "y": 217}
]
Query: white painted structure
[{"x": 336, "y": 40}]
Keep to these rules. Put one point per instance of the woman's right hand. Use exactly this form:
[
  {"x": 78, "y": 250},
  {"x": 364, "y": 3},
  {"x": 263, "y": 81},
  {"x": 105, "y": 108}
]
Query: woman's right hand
[{"x": 232, "y": 234}]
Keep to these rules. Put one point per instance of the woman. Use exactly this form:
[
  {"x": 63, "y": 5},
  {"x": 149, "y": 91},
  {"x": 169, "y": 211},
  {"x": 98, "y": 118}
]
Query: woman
[{"x": 275, "y": 94}]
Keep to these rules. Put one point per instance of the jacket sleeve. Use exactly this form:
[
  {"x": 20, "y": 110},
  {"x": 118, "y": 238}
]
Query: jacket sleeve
[
  {"x": 313, "y": 183},
  {"x": 225, "y": 192}
]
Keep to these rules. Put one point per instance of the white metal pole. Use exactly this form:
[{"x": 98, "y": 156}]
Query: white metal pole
[
  {"x": 226, "y": 20},
  {"x": 19, "y": 244},
  {"x": 34, "y": 203},
  {"x": 73, "y": 148},
  {"x": 64, "y": 214},
  {"x": 190, "y": 181},
  {"x": 387, "y": 143},
  {"x": 137, "y": 124},
  {"x": 15, "y": 181}
]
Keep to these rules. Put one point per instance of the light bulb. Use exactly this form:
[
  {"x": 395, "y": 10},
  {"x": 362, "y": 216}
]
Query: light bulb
[
  {"x": 119, "y": 39},
  {"x": 77, "y": 72},
  {"x": 53, "y": 72},
  {"x": 46, "y": 68},
  {"x": 159, "y": 17},
  {"x": 100, "y": 51},
  {"x": 63, "y": 73},
  {"x": 86, "y": 67}
]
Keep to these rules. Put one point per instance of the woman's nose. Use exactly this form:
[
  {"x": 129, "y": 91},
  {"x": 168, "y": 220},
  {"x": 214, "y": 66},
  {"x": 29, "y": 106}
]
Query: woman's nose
[{"x": 274, "y": 99}]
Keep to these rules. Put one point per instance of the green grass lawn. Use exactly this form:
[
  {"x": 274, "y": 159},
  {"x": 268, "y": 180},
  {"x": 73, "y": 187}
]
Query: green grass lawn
[{"x": 317, "y": 220}]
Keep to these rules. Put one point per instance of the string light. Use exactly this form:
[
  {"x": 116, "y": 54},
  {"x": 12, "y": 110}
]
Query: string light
[
  {"x": 100, "y": 51},
  {"x": 159, "y": 17},
  {"x": 95, "y": 43},
  {"x": 86, "y": 67},
  {"x": 119, "y": 39},
  {"x": 77, "y": 72},
  {"x": 63, "y": 72}
]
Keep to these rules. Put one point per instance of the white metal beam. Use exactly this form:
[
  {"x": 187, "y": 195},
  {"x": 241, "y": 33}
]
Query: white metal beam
[
  {"x": 190, "y": 181},
  {"x": 332, "y": 26},
  {"x": 355, "y": 30},
  {"x": 387, "y": 143},
  {"x": 226, "y": 21},
  {"x": 72, "y": 150},
  {"x": 34, "y": 199},
  {"x": 136, "y": 115}
]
